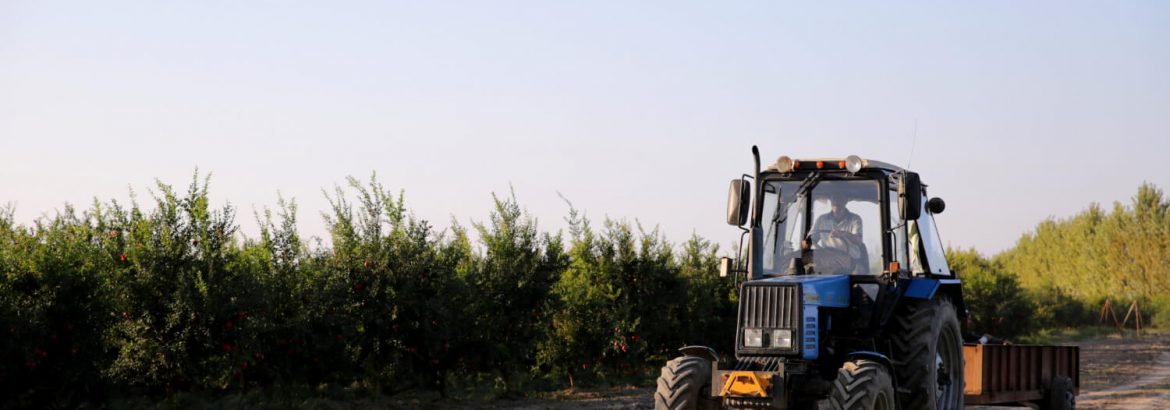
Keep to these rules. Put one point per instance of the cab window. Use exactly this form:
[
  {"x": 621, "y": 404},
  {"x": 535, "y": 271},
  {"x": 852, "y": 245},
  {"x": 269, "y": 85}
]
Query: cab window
[
  {"x": 897, "y": 233},
  {"x": 926, "y": 243}
]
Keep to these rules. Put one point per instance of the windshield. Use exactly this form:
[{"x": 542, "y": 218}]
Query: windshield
[{"x": 845, "y": 233}]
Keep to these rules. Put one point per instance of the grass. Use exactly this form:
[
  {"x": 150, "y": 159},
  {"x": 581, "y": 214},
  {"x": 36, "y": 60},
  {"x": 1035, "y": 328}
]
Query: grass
[
  {"x": 464, "y": 392},
  {"x": 1076, "y": 334},
  {"x": 337, "y": 397}
]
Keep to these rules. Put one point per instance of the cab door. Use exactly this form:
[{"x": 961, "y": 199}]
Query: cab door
[{"x": 883, "y": 292}]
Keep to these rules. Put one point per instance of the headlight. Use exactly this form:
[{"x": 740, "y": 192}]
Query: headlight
[
  {"x": 783, "y": 164},
  {"x": 753, "y": 338},
  {"x": 853, "y": 164},
  {"x": 782, "y": 338}
]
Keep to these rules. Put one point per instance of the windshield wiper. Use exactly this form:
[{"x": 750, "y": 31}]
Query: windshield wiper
[{"x": 807, "y": 185}]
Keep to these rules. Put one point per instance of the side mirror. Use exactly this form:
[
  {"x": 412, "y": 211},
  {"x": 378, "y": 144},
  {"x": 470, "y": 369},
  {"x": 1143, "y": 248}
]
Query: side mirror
[
  {"x": 910, "y": 196},
  {"x": 738, "y": 200},
  {"x": 725, "y": 266},
  {"x": 936, "y": 205}
]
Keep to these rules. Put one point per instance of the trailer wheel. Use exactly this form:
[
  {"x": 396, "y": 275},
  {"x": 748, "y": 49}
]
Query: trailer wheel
[
  {"x": 684, "y": 384},
  {"x": 928, "y": 356},
  {"x": 862, "y": 385},
  {"x": 1061, "y": 395}
]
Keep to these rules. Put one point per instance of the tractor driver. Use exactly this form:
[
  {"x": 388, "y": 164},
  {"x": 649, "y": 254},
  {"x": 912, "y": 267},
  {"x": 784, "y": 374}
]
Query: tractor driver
[{"x": 839, "y": 233}]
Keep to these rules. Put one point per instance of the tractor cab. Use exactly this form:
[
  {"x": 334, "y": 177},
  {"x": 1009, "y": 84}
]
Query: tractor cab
[{"x": 837, "y": 216}]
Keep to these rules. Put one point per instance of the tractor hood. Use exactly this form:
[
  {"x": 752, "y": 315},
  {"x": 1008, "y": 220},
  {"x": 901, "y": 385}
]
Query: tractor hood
[
  {"x": 818, "y": 290},
  {"x": 787, "y": 305}
]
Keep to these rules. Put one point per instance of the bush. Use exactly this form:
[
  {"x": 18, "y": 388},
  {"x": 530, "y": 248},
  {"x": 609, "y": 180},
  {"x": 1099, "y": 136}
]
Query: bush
[
  {"x": 509, "y": 286},
  {"x": 171, "y": 300},
  {"x": 54, "y": 310},
  {"x": 1057, "y": 309},
  {"x": 182, "y": 299},
  {"x": 996, "y": 303},
  {"x": 626, "y": 302},
  {"x": 1159, "y": 312},
  {"x": 711, "y": 300}
]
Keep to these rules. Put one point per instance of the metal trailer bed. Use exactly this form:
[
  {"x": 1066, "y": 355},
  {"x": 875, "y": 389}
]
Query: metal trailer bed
[{"x": 1016, "y": 373}]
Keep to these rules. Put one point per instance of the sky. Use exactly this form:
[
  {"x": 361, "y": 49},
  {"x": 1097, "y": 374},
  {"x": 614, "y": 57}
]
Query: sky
[{"x": 1012, "y": 112}]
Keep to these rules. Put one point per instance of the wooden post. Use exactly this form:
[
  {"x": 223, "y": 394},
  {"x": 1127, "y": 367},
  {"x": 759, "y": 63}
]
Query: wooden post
[
  {"x": 1107, "y": 311},
  {"x": 1135, "y": 310},
  {"x": 1104, "y": 310},
  {"x": 1137, "y": 307},
  {"x": 1114, "y": 313},
  {"x": 1128, "y": 312}
]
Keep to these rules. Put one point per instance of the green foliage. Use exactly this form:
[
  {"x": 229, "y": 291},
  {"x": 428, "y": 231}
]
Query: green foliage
[
  {"x": 626, "y": 302},
  {"x": 54, "y": 309},
  {"x": 178, "y": 298},
  {"x": 996, "y": 303},
  {"x": 1057, "y": 309},
  {"x": 169, "y": 299},
  {"x": 583, "y": 308},
  {"x": 1159, "y": 308},
  {"x": 392, "y": 299},
  {"x": 508, "y": 288},
  {"x": 1073, "y": 265},
  {"x": 711, "y": 300},
  {"x": 1120, "y": 254}
]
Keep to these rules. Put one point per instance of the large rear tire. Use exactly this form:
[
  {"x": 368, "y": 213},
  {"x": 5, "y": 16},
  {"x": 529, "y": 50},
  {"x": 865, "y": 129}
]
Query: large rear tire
[
  {"x": 928, "y": 355},
  {"x": 862, "y": 385},
  {"x": 685, "y": 384},
  {"x": 1061, "y": 395}
]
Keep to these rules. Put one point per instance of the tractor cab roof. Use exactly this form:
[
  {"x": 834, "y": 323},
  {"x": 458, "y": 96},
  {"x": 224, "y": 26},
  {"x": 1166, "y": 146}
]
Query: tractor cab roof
[{"x": 852, "y": 163}]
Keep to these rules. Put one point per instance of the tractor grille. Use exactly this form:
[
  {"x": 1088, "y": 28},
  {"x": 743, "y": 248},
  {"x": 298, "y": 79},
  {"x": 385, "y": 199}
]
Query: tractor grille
[{"x": 769, "y": 306}]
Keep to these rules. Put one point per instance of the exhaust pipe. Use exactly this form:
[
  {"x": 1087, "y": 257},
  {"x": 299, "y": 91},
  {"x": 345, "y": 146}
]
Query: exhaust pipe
[
  {"x": 756, "y": 178},
  {"x": 755, "y": 233}
]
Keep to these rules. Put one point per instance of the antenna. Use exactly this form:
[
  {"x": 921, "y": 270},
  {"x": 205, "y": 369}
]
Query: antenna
[{"x": 913, "y": 143}]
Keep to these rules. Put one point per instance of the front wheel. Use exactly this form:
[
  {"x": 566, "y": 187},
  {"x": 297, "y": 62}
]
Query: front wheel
[
  {"x": 862, "y": 385},
  {"x": 684, "y": 384}
]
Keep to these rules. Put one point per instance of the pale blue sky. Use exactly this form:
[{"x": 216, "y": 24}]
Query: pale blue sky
[{"x": 1025, "y": 109}]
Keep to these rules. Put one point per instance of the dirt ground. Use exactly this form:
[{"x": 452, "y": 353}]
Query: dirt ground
[
  {"x": 1116, "y": 373},
  {"x": 1131, "y": 373}
]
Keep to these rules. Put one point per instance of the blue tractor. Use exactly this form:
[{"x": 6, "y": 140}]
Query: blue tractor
[{"x": 847, "y": 301}]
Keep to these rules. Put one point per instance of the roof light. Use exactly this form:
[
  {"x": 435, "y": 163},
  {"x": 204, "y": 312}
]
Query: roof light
[
  {"x": 784, "y": 164},
  {"x": 853, "y": 163},
  {"x": 820, "y": 164}
]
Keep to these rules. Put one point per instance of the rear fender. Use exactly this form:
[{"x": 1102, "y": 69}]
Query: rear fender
[
  {"x": 929, "y": 288},
  {"x": 953, "y": 288}
]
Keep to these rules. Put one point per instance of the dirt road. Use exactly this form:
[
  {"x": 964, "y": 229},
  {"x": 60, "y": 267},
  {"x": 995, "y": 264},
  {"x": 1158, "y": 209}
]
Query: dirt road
[
  {"x": 1125, "y": 373},
  {"x": 1116, "y": 373}
]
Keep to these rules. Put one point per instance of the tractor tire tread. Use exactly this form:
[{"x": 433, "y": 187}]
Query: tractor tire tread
[
  {"x": 914, "y": 331},
  {"x": 859, "y": 385},
  {"x": 1059, "y": 395},
  {"x": 681, "y": 383}
]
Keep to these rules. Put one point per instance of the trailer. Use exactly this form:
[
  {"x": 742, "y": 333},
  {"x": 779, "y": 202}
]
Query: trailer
[{"x": 1048, "y": 376}]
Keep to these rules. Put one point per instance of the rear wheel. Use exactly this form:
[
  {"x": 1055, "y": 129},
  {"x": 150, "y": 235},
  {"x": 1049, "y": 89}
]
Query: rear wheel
[
  {"x": 1061, "y": 395},
  {"x": 862, "y": 385},
  {"x": 927, "y": 346},
  {"x": 684, "y": 384}
]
